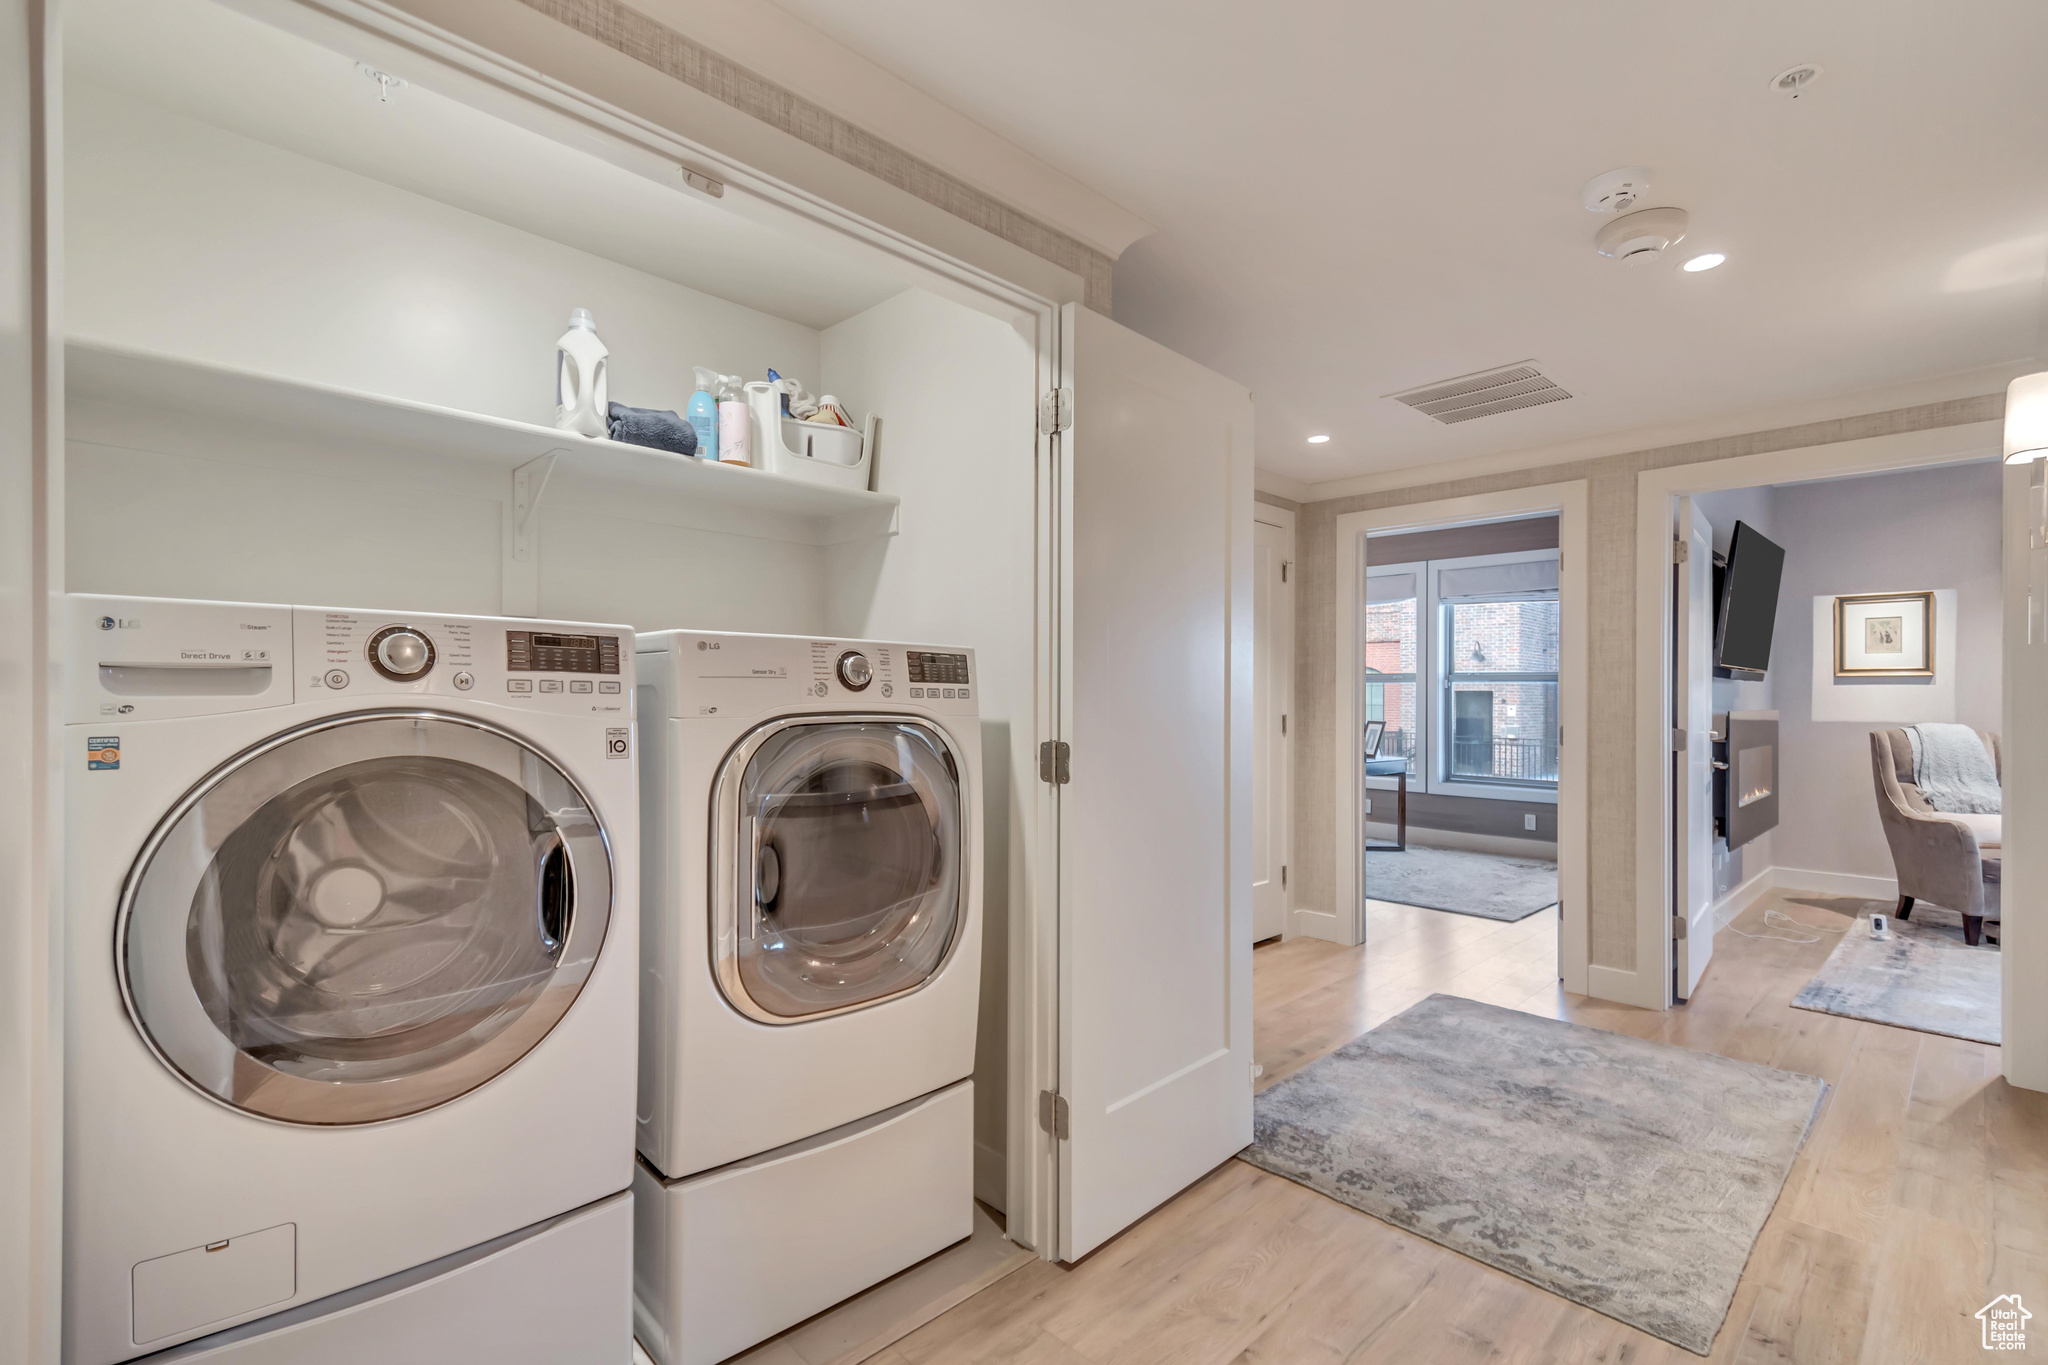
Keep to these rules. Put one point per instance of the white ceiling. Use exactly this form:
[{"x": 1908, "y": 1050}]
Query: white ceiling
[{"x": 1355, "y": 199}]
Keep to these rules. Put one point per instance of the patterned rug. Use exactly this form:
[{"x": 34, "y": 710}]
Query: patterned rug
[
  {"x": 1483, "y": 884},
  {"x": 1924, "y": 977},
  {"x": 1629, "y": 1176}
]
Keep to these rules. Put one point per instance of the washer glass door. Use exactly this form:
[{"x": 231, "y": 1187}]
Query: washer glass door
[
  {"x": 841, "y": 849},
  {"x": 364, "y": 918}
]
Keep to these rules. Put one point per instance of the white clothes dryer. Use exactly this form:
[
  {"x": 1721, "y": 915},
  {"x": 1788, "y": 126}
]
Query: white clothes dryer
[
  {"x": 352, "y": 927},
  {"x": 811, "y": 961}
]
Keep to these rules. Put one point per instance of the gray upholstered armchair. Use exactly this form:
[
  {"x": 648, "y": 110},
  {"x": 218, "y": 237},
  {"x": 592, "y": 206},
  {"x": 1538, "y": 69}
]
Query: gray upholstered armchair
[{"x": 1947, "y": 859}]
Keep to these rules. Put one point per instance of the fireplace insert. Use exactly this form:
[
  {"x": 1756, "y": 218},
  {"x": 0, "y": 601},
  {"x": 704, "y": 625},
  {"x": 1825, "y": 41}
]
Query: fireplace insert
[{"x": 1745, "y": 775}]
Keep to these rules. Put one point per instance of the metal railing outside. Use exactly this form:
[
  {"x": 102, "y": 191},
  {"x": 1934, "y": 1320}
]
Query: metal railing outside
[{"x": 1507, "y": 760}]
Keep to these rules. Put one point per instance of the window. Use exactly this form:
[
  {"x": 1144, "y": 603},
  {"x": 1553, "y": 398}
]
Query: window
[
  {"x": 1460, "y": 662},
  {"x": 1392, "y": 648},
  {"x": 1500, "y": 683}
]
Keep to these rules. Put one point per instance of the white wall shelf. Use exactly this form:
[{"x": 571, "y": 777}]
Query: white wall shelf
[{"x": 114, "y": 395}]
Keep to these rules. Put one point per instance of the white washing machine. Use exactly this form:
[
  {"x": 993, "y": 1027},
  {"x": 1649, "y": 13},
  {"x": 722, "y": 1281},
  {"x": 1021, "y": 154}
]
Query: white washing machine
[
  {"x": 811, "y": 960},
  {"x": 351, "y": 1012}
]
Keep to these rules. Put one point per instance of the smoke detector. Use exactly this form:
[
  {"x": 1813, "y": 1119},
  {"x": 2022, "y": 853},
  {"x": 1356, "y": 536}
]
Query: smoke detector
[
  {"x": 1641, "y": 234},
  {"x": 1616, "y": 191},
  {"x": 1793, "y": 80}
]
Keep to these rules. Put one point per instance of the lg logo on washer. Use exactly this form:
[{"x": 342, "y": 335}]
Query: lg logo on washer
[{"x": 119, "y": 623}]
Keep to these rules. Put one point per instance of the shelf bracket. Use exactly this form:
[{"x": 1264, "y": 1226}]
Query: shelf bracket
[{"x": 520, "y": 575}]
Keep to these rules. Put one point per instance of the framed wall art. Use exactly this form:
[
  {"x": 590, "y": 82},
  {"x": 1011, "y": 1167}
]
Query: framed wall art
[{"x": 1885, "y": 635}]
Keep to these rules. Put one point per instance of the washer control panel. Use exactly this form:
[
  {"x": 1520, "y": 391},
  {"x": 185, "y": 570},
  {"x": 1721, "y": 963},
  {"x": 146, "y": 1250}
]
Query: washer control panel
[
  {"x": 569, "y": 669},
  {"x": 546, "y": 651}
]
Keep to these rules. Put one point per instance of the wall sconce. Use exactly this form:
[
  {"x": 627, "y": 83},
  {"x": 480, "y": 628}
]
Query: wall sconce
[{"x": 2026, "y": 443}]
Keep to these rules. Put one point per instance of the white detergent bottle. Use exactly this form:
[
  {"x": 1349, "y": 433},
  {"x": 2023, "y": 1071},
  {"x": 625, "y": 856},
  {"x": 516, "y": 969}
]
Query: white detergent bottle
[
  {"x": 582, "y": 397},
  {"x": 735, "y": 423}
]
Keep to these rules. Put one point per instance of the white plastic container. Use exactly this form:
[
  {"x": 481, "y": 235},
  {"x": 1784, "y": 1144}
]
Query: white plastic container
[
  {"x": 816, "y": 452},
  {"x": 582, "y": 389}
]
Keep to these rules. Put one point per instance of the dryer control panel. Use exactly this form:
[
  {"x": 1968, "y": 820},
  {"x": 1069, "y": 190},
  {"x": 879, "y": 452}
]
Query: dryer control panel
[{"x": 715, "y": 674}]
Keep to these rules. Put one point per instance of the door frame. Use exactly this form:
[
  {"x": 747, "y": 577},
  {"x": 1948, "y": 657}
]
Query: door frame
[
  {"x": 1649, "y": 984},
  {"x": 1570, "y": 502},
  {"x": 1283, "y": 519}
]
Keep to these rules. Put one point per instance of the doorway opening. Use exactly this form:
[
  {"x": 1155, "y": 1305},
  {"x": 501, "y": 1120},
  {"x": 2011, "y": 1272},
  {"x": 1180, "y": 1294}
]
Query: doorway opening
[
  {"x": 1460, "y": 709},
  {"x": 1835, "y": 778}
]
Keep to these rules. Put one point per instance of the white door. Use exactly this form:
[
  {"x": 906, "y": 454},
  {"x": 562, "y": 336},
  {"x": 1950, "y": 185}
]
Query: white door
[
  {"x": 1692, "y": 767},
  {"x": 1272, "y": 700},
  {"x": 1155, "y": 822}
]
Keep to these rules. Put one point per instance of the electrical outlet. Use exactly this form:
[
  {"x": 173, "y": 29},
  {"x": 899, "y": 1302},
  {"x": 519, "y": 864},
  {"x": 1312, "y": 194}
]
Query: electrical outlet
[
  {"x": 1368, "y": 805},
  {"x": 1528, "y": 822}
]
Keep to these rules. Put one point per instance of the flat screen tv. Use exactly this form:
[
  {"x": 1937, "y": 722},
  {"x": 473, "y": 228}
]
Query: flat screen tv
[{"x": 1749, "y": 602}]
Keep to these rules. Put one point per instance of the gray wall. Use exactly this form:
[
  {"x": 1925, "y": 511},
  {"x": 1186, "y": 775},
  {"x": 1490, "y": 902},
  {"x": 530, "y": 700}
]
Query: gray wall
[
  {"x": 1935, "y": 528},
  {"x": 1611, "y": 644}
]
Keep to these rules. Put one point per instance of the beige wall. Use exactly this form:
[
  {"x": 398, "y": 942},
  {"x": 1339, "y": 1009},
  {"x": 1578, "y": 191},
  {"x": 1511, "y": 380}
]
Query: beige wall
[{"x": 1611, "y": 485}]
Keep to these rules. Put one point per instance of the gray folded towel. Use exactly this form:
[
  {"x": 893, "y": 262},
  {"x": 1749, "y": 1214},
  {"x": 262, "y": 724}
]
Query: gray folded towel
[
  {"x": 655, "y": 427},
  {"x": 1953, "y": 769}
]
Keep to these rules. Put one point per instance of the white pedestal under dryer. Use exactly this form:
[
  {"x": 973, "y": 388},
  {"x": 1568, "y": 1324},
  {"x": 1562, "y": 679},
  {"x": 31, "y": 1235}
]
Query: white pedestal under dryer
[
  {"x": 352, "y": 928},
  {"x": 811, "y": 961}
]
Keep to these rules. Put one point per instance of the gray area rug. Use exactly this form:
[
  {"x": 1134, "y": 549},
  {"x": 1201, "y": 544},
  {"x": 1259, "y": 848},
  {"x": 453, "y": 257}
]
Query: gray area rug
[
  {"x": 1482, "y": 884},
  {"x": 1924, "y": 977},
  {"x": 1629, "y": 1176}
]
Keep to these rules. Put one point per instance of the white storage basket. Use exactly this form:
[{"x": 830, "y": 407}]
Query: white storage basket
[{"x": 817, "y": 452}]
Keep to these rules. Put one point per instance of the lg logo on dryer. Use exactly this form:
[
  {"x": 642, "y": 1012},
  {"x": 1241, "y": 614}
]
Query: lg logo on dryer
[{"x": 120, "y": 623}]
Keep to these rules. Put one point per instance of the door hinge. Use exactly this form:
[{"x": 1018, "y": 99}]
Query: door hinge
[
  {"x": 1678, "y": 740},
  {"x": 1680, "y": 552},
  {"x": 1055, "y": 762},
  {"x": 1283, "y": 722},
  {"x": 1678, "y": 926},
  {"x": 1055, "y": 411},
  {"x": 1285, "y": 565},
  {"x": 1283, "y": 876},
  {"x": 1052, "y": 1114}
]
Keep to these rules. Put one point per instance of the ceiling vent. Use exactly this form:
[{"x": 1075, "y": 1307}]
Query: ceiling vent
[{"x": 1487, "y": 394}]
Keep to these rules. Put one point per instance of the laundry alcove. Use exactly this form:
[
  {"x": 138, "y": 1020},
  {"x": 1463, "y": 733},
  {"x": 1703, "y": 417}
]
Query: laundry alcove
[{"x": 310, "y": 358}]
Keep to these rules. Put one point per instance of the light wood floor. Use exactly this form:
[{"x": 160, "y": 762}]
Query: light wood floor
[{"x": 1922, "y": 1193}]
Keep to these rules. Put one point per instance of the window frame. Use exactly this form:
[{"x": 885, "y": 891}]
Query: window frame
[
  {"x": 1419, "y": 778},
  {"x": 1443, "y": 680}
]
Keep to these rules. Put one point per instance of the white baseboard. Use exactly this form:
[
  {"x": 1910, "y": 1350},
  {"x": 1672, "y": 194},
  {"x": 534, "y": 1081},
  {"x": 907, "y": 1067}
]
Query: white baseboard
[
  {"x": 1501, "y": 844},
  {"x": 991, "y": 1176},
  {"x": 1836, "y": 883},
  {"x": 1742, "y": 897}
]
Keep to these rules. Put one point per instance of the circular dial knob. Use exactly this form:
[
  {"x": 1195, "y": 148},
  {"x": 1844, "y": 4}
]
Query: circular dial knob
[
  {"x": 855, "y": 670},
  {"x": 401, "y": 653}
]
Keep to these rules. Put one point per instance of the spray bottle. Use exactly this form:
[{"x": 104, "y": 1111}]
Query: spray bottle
[
  {"x": 735, "y": 423},
  {"x": 582, "y": 398},
  {"x": 702, "y": 413}
]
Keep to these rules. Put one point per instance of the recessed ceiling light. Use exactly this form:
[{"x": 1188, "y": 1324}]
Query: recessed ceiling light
[
  {"x": 1706, "y": 262},
  {"x": 1318, "y": 440}
]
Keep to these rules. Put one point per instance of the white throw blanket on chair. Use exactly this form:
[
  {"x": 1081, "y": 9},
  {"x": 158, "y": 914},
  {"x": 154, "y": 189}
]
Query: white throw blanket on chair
[{"x": 1952, "y": 767}]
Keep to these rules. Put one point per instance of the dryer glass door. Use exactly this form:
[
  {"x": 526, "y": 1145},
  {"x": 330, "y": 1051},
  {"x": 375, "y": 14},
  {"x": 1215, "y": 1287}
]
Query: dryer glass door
[
  {"x": 846, "y": 837},
  {"x": 364, "y": 917}
]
